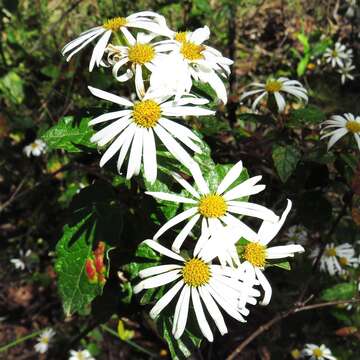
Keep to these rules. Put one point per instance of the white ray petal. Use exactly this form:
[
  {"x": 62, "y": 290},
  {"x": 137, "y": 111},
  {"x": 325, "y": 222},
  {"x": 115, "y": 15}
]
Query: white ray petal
[
  {"x": 246, "y": 188},
  {"x": 176, "y": 220},
  {"x": 110, "y": 97},
  {"x": 280, "y": 101},
  {"x": 157, "y": 280},
  {"x": 204, "y": 237},
  {"x": 186, "y": 185},
  {"x": 163, "y": 250},
  {"x": 109, "y": 116},
  {"x": 165, "y": 299},
  {"x": 180, "y": 321},
  {"x": 265, "y": 285},
  {"x": 200, "y": 316},
  {"x": 134, "y": 162},
  {"x": 129, "y": 133},
  {"x": 251, "y": 209},
  {"x": 149, "y": 156},
  {"x": 184, "y": 233},
  {"x": 156, "y": 270},
  {"x": 170, "y": 197},
  {"x": 106, "y": 134},
  {"x": 213, "y": 310},
  {"x": 230, "y": 177},
  {"x": 282, "y": 251}
]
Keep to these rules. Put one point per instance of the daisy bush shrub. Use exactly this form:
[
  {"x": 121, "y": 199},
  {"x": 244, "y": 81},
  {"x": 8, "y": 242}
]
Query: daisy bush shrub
[{"x": 195, "y": 191}]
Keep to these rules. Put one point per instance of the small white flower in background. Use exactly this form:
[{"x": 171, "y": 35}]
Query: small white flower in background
[
  {"x": 339, "y": 55},
  {"x": 275, "y": 87},
  {"x": 137, "y": 125},
  {"x": 215, "y": 210},
  {"x": 36, "y": 148},
  {"x": 80, "y": 355},
  {"x": 335, "y": 259},
  {"x": 343, "y": 125},
  {"x": 297, "y": 233},
  {"x": 146, "y": 20},
  {"x": 256, "y": 252},
  {"x": 345, "y": 72},
  {"x": 44, "y": 340},
  {"x": 203, "y": 283},
  {"x": 139, "y": 54},
  {"x": 315, "y": 352},
  {"x": 19, "y": 263},
  {"x": 350, "y": 12},
  {"x": 204, "y": 63}
]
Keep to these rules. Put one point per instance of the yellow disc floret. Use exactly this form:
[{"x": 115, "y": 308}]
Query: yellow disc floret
[
  {"x": 212, "y": 206},
  {"x": 273, "y": 86},
  {"x": 146, "y": 113},
  {"x": 141, "y": 53},
  {"x": 255, "y": 254},
  {"x": 330, "y": 252},
  {"x": 192, "y": 51},
  {"x": 115, "y": 23},
  {"x": 181, "y": 36},
  {"x": 317, "y": 353},
  {"x": 353, "y": 126},
  {"x": 196, "y": 272}
]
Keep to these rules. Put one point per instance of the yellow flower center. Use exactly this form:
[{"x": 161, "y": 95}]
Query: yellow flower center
[
  {"x": 273, "y": 86},
  {"x": 296, "y": 353},
  {"x": 212, "y": 206},
  {"x": 34, "y": 146},
  {"x": 192, "y": 51},
  {"x": 353, "y": 126},
  {"x": 146, "y": 113},
  {"x": 141, "y": 53},
  {"x": 115, "y": 23},
  {"x": 334, "y": 54},
  {"x": 45, "y": 340},
  {"x": 317, "y": 353},
  {"x": 255, "y": 254},
  {"x": 343, "y": 261},
  {"x": 181, "y": 36},
  {"x": 196, "y": 272},
  {"x": 330, "y": 252}
]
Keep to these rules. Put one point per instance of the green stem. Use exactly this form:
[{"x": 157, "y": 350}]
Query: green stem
[
  {"x": 131, "y": 343},
  {"x": 20, "y": 340}
]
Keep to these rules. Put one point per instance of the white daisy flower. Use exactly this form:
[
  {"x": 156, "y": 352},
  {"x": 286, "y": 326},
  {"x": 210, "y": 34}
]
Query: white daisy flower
[
  {"x": 338, "y": 55},
  {"x": 345, "y": 72},
  {"x": 316, "y": 352},
  {"x": 256, "y": 252},
  {"x": 347, "y": 123},
  {"x": 214, "y": 210},
  {"x": 205, "y": 284},
  {"x": 36, "y": 148},
  {"x": 19, "y": 263},
  {"x": 137, "y": 124},
  {"x": 138, "y": 54},
  {"x": 335, "y": 258},
  {"x": 44, "y": 340},
  {"x": 80, "y": 355},
  {"x": 204, "y": 63},
  {"x": 275, "y": 87},
  {"x": 146, "y": 20}
]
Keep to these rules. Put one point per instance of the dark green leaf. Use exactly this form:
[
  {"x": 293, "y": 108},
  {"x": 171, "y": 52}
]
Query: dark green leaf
[
  {"x": 285, "y": 160},
  {"x": 310, "y": 115}
]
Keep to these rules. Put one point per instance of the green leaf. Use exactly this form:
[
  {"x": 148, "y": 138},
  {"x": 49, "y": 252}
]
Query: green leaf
[
  {"x": 72, "y": 250},
  {"x": 304, "y": 40},
  {"x": 302, "y": 65},
  {"x": 343, "y": 291},
  {"x": 70, "y": 134},
  {"x": 179, "y": 349},
  {"x": 285, "y": 160},
  {"x": 285, "y": 265},
  {"x": 310, "y": 115},
  {"x": 11, "y": 85}
]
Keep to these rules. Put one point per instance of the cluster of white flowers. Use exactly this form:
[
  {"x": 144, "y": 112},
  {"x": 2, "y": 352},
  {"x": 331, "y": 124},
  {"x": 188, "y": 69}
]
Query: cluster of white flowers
[
  {"x": 44, "y": 340},
  {"x": 227, "y": 262},
  {"x": 341, "y": 58},
  {"x": 335, "y": 259}
]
